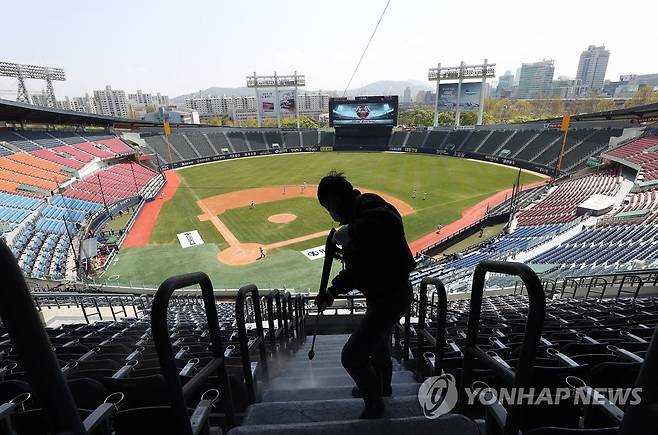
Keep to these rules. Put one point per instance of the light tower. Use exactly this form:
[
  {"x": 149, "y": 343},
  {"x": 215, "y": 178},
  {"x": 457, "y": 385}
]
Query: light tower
[
  {"x": 459, "y": 74},
  {"x": 276, "y": 82},
  {"x": 22, "y": 72}
]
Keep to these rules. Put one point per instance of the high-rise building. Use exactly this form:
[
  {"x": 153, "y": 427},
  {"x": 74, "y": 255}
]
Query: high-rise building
[
  {"x": 505, "y": 85},
  {"x": 591, "y": 69},
  {"x": 406, "y": 96},
  {"x": 111, "y": 102},
  {"x": 535, "y": 79},
  {"x": 146, "y": 99}
]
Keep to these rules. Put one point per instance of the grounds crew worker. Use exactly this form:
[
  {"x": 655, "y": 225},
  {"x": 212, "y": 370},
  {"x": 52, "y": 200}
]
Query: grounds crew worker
[{"x": 377, "y": 262}]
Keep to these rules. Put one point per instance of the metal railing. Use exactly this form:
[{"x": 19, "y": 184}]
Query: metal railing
[
  {"x": 217, "y": 365},
  {"x": 521, "y": 375},
  {"x": 250, "y": 292}
]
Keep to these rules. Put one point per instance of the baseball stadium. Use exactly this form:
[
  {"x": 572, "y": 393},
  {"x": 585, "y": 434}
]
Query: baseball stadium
[{"x": 251, "y": 274}]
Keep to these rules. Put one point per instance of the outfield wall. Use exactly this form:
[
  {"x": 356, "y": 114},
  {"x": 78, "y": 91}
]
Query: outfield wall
[{"x": 541, "y": 169}]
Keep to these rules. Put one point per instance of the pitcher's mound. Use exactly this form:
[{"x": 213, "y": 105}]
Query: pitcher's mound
[
  {"x": 244, "y": 253},
  {"x": 282, "y": 218}
]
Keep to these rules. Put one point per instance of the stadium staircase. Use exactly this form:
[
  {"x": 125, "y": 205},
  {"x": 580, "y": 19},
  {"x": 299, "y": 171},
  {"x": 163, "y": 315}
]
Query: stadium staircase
[{"x": 316, "y": 396}]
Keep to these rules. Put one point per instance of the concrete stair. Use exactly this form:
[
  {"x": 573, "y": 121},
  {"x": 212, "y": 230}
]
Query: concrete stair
[{"x": 316, "y": 397}]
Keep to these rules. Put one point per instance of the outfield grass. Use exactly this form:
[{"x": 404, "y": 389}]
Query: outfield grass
[
  {"x": 251, "y": 225},
  {"x": 452, "y": 185},
  {"x": 475, "y": 239},
  {"x": 118, "y": 223}
]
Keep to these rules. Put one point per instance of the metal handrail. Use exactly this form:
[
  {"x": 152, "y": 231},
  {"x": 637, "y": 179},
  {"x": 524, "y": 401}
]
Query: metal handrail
[
  {"x": 272, "y": 297},
  {"x": 250, "y": 291},
  {"x": 521, "y": 376},
  {"x": 162, "y": 342},
  {"x": 439, "y": 340}
]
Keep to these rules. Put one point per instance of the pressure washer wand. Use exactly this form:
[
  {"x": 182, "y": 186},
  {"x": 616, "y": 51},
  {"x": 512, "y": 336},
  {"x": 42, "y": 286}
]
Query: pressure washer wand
[{"x": 311, "y": 353}]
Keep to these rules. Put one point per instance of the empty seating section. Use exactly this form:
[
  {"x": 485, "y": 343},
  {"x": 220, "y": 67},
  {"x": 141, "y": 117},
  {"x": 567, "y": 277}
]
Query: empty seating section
[
  {"x": 14, "y": 209},
  {"x": 604, "y": 343},
  {"x": 68, "y": 137},
  {"x": 30, "y": 170},
  {"x": 494, "y": 141},
  {"x": 291, "y": 139},
  {"x": 474, "y": 140},
  {"x": 27, "y": 182},
  {"x": 552, "y": 152},
  {"x": 327, "y": 138},
  {"x": 515, "y": 144},
  {"x": 41, "y": 138},
  {"x": 455, "y": 139},
  {"x": 274, "y": 137},
  {"x": 560, "y": 204},
  {"x": 310, "y": 138},
  {"x": 4, "y": 151},
  {"x": 237, "y": 139},
  {"x": 256, "y": 140},
  {"x": 70, "y": 151},
  {"x": 43, "y": 243},
  {"x": 95, "y": 150},
  {"x": 575, "y": 157},
  {"x": 507, "y": 245},
  {"x": 641, "y": 151},
  {"x": 537, "y": 146},
  {"x": 18, "y": 141},
  {"x": 435, "y": 138},
  {"x": 117, "y": 146},
  {"x": 398, "y": 138},
  {"x": 220, "y": 142},
  {"x": 201, "y": 143},
  {"x": 116, "y": 183},
  {"x": 158, "y": 144},
  {"x": 66, "y": 160},
  {"x": 604, "y": 246},
  {"x": 416, "y": 139},
  {"x": 184, "y": 149},
  {"x": 642, "y": 204}
]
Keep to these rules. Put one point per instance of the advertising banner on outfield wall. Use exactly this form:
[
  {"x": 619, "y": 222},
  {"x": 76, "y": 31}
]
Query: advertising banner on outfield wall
[{"x": 469, "y": 100}]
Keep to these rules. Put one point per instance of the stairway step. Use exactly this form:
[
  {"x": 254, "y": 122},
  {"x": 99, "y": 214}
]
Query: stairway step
[
  {"x": 318, "y": 371},
  {"x": 400, "y": 377},
  {"x": 328, "y": 393},
  {"x": 326, "y": 410},
  {"x": 446, "y": 424}
]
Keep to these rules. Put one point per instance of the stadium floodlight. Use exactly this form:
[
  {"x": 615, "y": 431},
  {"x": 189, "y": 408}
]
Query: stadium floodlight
[
  {"x": 22, "y": 72},
  {"x": 276, "y": 82},
  {"x": 460, "y": 73}
]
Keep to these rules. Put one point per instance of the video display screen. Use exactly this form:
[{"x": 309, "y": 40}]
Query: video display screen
[{"x": 363, "y": 111}]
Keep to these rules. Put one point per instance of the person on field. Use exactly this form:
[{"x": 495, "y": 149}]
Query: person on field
[{"x": 377, "y": 262}]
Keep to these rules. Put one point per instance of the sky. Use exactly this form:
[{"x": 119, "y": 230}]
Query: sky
[{"x": 177, "y": 47}]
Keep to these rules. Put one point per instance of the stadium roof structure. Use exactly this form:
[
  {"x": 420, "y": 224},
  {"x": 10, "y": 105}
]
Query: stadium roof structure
[
  {"x": 645, "y": 113},
  {"x": 15, "y": 111}
]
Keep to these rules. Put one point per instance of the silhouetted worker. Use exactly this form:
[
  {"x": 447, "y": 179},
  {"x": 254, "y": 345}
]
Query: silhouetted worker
[{"x": 377, "y": 262}]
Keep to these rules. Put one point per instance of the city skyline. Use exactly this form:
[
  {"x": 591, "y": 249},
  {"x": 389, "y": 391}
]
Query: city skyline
[{"x": 227, "y": 49}]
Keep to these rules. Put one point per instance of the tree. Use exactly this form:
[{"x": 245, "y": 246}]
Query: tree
[
  {"x": 644, "y": 95},
  {"x": 306, "y": 122},
  {"x": 446, "y": 118},
  {"x": 150, "y": 108},
  {"x": 605, "y": 105},
  {"x": 468, "y": 118}
]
